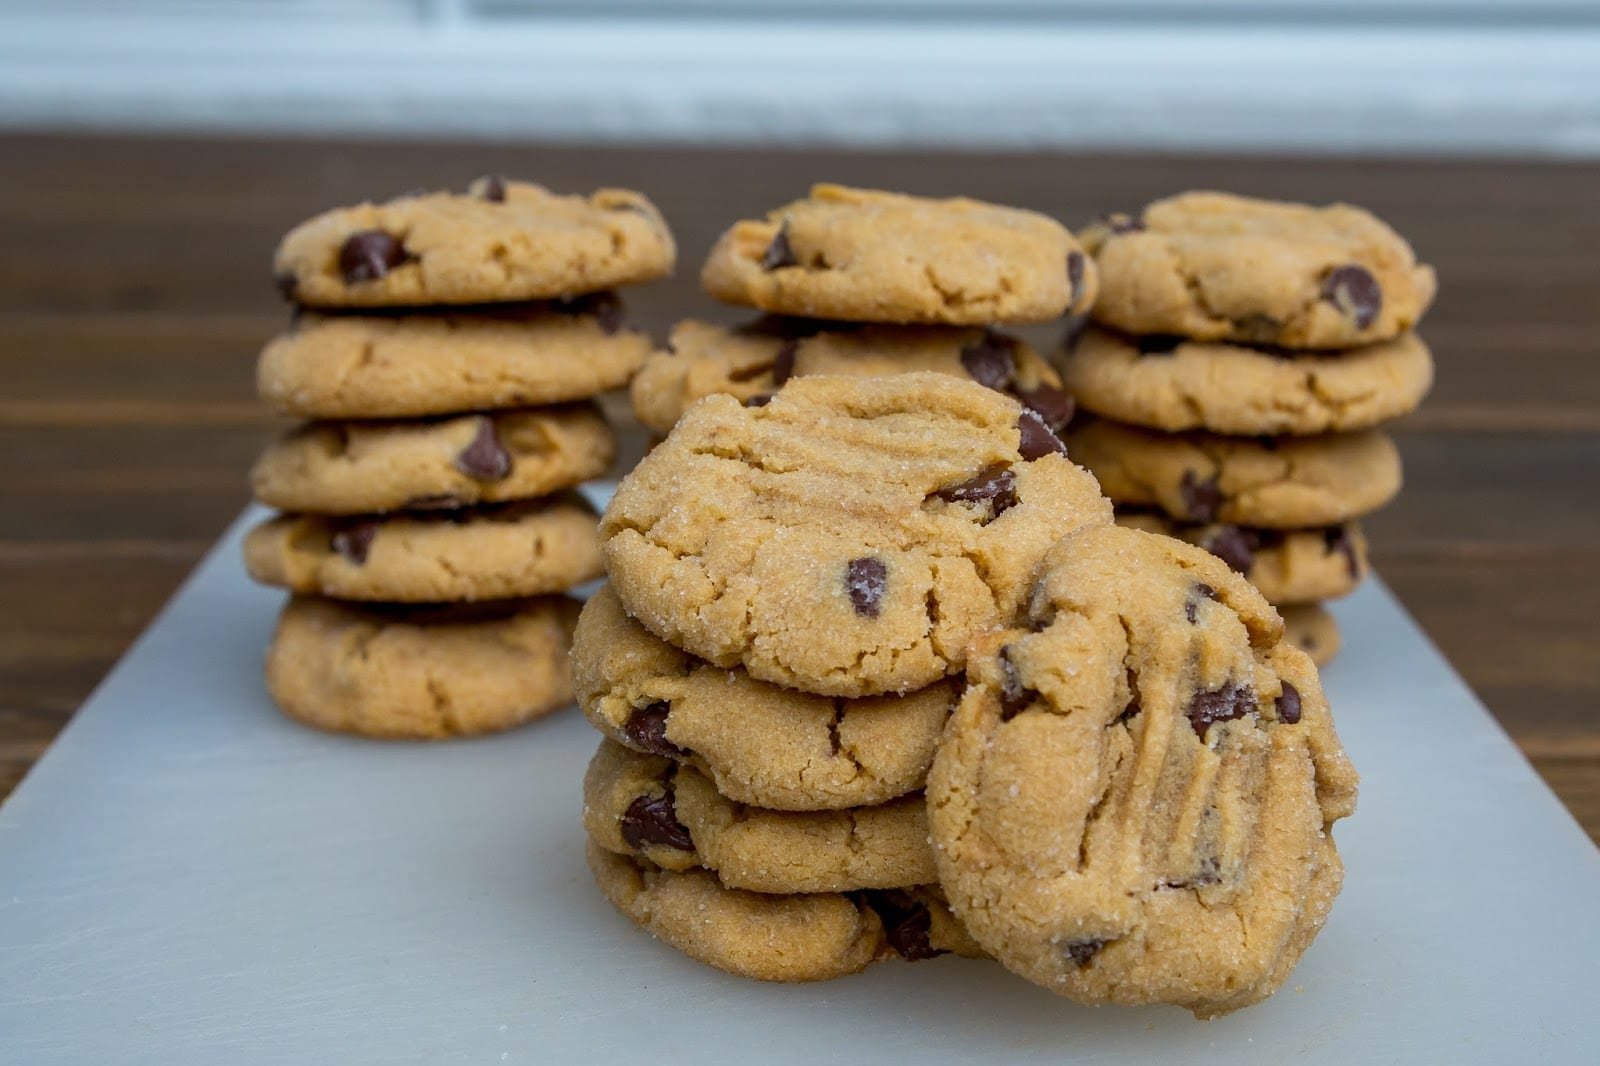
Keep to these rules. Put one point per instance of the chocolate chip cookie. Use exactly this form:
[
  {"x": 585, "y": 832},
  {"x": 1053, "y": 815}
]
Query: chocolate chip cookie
[
  {"x": 365, "y": 467},
  {"x": 868, "y": 256},
  {"x": 813, "y": 937},
  {"x": 421, "y": 673},
  {"x": 751, "y": 362},
  {"x": 847, "y": 538},
  {"x": 1133, "y": 800},
  {"x": 499, "y": 241},
  {"x": 1309, "y": 627},
  {"x": 759, "y": 744},
  {"x": 404, "y": 365},
  {"x": 1273, "y": 482},
  {"x": 1168, "y": 382},
  {"x": 669, "y": 814},
  {"x": 1215, "y": 267},
  {"x": 527, "y": 548}
]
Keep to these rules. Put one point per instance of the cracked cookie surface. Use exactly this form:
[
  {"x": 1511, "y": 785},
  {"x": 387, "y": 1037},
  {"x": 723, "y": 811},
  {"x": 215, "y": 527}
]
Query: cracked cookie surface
[
  {"x": 365, "y": 467},
  {"x": 1273, "y": 482},
  {"x": 847, "y": 538},
  {"x": 499, "y": 241},
  {"x": 526, "y": 548},
  {"x": 1169, "y": 383},
  {"x": 1285, "y": 565},
  {"x": 667, "y": 813},
  {"x": 1216, "y": 267},
  {"x": 404, "y": 365},
  {"x": 1312, "y": 629},
  {"x": 753, "y": 361},
  {"x": 760, "y": 744},
  {"x": 867, "y": 256},
  {"x": 1132, "y": 802},
  {"x": 421, "y": 673},
  {"x": 810, "y": 937}
]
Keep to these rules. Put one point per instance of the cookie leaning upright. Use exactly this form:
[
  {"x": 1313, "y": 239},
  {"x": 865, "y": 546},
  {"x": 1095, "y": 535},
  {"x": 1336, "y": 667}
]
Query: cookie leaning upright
[
  {"x": 1132, "y": 802},
  {"x": 849, "y": 537}
]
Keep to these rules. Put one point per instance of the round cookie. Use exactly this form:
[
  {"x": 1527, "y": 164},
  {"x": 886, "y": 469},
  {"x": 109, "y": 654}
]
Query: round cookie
[
  {"x": 814, "y": 937},
  {"x": 758, "y": 743},
  {"x": 1286, "y": 565},
  {"x": 1215, "y": 267},
  {"x": 1309, "y": 627},
  {"x": 847, "y": 538},
  {"x": 421, "y": 673},
  {"x": 405, "y": 365},
  {"x": 1133, "y": 800},
  {"x": 751, "y": 362},
  {"x": 367, "y": 467},
  {"x": 499, "y": 241},
  {"x": 867, "y": 256},
  {"x": 527, "y": 548},
  {"x": 1273, "y": 482},
  {"x": 1166, "y": 382},
  {"x": 655, "y": 809}
]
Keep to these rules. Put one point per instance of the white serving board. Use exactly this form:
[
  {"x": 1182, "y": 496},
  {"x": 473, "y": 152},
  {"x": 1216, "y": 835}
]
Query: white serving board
[{"x": 188, "y": 877}]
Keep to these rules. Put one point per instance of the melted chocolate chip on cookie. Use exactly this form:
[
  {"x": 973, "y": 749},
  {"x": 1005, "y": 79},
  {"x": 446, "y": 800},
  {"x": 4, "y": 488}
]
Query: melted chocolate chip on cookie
[
  {"x": 991, "y": 360},
  {"x": 907, "y": 924},
  {"x": 995, "y": 486},
  {"x": 646, "y": 729},
  {"x": 354, "y": 541},
  {"x": 1219, "y": 705},
  {"x": 1202, "y": 496},
  {"x": 370, "y": 254},
  {"x": 1355, "y": 292},
  {"x": 779, "y": 254},
  {"x": 654, "y": 820},
  {"x": 485, "y": 458},
  {"x": 1036, "y": 440},
  {"x": 1014, "y": 695},
  {"x": 865, "y": 581},
  {"x": 1289, "y": 704}
]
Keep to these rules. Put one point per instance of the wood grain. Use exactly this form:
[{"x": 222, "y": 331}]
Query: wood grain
[{"x": 134, "y": 296}]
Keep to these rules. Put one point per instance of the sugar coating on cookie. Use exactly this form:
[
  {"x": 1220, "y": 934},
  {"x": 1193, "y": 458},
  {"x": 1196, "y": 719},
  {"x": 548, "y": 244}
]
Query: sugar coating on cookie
[
  {"x": 499, "y": 241},
  {"x": 1133, "y": 800},
  {"x": 1313, "y": 629},
  {"x": 760, "y": 744},
  {"x": 421, "y": 673},
  {"x": 847, "y": 538},
  {"x": 1170, "y": 383},
  {"x": 868, "y": 256},
  {"x": 1273, "y": 482},
  {"x": 526, "y": 548},
  {"x": 1285, "y": 565},
  {"x": 753, "y": 361},
  {"x": 656, "y": 809},
  {"x": 1217, "y": 267},
  {"x": 804, "y": 937},
  {"x": 405, "y": 365},
  {"x": 492, "y": 457}
]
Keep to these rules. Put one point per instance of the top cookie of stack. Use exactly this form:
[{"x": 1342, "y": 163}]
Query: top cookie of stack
[
  {"x": 865, "y": 283},
  {"x": 1241, "y": 353},
  {"x": 446, "y": 348}
]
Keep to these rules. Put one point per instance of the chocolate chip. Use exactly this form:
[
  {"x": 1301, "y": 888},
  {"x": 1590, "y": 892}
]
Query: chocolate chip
[
  {"x": 907, "y": 924},
  {"x": 865, "y": 581},
  {"x": 778, "y": 253},
  {"x": 1132, "y": 709},
  {"x": 1014, "y": 695},
  {"x": 287, "y": 285},
  {"x": 370, "y": 254},
  {"x": 1081, "y": 951},
  {"x": 1355, "y": 292},
  {"x": 354, "y": 540},
  {"x": 1053, "y": 406},
  {"x": 1159, "y": 343},
  {"x": 1220, "y": 705},
  {"x": 1191, "y": 606},
  {"x": 654, "y": 820},
  {"x": 1202, "y": 497},
  {"x": 1075, "y": 265},
  {"x": 1337, "y": 539},
  {"x": 485, "y": 458},
  {"x": 1035, "y": 440},
  {"x": 994, "y": 485},
  {"x": 1232, "y": 545},
  {"x": 991, "y": 360},
  {"x": 491, "y": 187},
  {"x": 760, "y": 399},
  {"x": 1289, "y": 705},
  {"x": 783, "y": 363},
  {"x": 646, "y": 729},
  {"x": 1117, "y": 222}
]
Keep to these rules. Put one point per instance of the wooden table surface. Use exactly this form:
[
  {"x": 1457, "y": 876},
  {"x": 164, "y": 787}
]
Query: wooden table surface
[{"x": 134, "y": 295}]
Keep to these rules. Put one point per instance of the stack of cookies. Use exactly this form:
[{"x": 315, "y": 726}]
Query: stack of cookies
[
  {"x": 446, "y": 349},
  {"x": 1240, "y": 356},
  {"x": 865, "y": 283}
]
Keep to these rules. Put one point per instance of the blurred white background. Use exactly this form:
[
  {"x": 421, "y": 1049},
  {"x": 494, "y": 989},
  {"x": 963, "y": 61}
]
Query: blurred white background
[{"x": 1496, "y": 76}]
